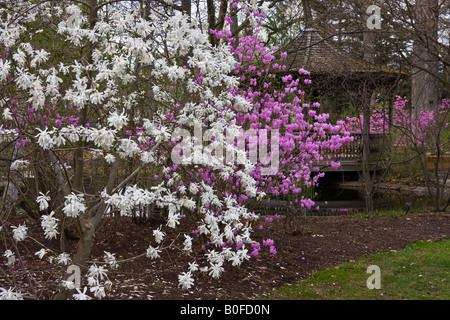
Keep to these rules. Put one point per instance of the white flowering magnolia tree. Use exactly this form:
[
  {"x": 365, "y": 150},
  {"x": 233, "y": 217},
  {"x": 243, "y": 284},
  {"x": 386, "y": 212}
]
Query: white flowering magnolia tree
[{"x": 95, "y": 96}]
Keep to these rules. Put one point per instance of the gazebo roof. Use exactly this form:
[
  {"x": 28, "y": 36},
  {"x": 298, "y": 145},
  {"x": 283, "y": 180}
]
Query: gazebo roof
[{"x": 312, "y": 52}]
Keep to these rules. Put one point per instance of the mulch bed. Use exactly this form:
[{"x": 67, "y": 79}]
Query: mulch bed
[{"x": 308, "y": 245}]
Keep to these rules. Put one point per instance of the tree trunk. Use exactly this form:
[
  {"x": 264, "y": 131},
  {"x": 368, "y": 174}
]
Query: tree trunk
[
  {"x": 84, "y": 223},
  {"x": 307, "y": 14},
  {"x": 366, "y": 167},
  {"x": 369, "y": 36},
  {"x": 186, "y": 7},
  {"x": 11, "y": 192},
  {"x": 83, "y": 253},
  {"x": 211, "y": 19},
  {"x": 425, "y": 70}
]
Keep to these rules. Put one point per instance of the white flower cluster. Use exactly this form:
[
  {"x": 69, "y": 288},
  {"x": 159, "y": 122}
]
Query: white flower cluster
[
  {"x": 64, "y": 259},
  {"x": 10, "y": 294},
  {"x": 49, "y": 224},
  {"x": 118, "y": 120},
  {"x": 123, "y": 42},
  {"x": 97, "y": 278},
  {"x": 7, "y": 135},
  {"x": 110, "y": 259},
  {"x": 7, "y": 115},
  {"x": 74, "y": 205},
  {"x": 19, "y": 165},
  {"x": 107, "y": 139},
  {"x": 219, "y": 229},
  {"x": 10, "y": 256},
  {"x": 20, "y": 232},
  {"x": 42, "y": 200}
]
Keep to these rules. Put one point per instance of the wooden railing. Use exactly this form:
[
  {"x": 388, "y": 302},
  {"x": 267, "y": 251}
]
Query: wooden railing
[{"x": 351, "y": 150}]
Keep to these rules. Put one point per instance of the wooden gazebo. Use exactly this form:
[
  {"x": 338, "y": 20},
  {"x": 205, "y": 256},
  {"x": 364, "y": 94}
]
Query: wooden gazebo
[{"x": 334, "y": 70}]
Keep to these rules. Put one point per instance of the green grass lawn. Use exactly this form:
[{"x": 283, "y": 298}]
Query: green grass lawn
[{"x": 420, "y": 271}]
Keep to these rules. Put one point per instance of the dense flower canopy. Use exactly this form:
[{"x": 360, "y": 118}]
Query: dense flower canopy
[{"x": 158, "y": 106}]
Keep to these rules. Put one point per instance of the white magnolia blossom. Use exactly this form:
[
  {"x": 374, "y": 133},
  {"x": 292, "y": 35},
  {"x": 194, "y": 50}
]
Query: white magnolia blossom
[
  {"x": 239, "y": 257},
  {"x": 45, "y": 139},
  {"x": 81, "y": 295},
  {"x": 103, "y": 137},
  {"x": 152, "y": 252},
  {"x": 110, "y": 158},
  {"x": 8, "y": 253},
  {"x": 63, "y": 259},
  {"x": 186, "y": 280},
  {"x": 99, "y": 291},
  {"x": 70, "y": 285},
  {"x": 118, "y": 121},
  {"x": 49, "y": 224},
  {"x": 5, "y": 67},
  {"x": 10, "y": 294},
  {"x": 128, "y": 148},
  {"x": 159, "y": 235},
  {"x": 42, "y": 201},
  {"x": 173, "y": 219},
  {"x": 39, "y": 57},
  {"x": 71, "y": 133},
  {"x": 7, "y": 135},
  {"x": 193, "y": 188},
  {"x": 193, "y": 266},
  {"x": 187, "y": 243},
  {"x": 20, "y": 232},
  {"x": 147, "y": 157},
  {"x": 41, "y": 253},
  {"x": 74, "y": 205},
  {"x": 97, "y": 272},
  {"x": 7, "y": 114},
  {"x": 19, "y": 165},
  {"x": 215, "y": 270},
  {"x": 110, "y": 259}
]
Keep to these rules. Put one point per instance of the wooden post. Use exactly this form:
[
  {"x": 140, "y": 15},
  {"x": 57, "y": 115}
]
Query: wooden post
[{"x": 367, "y": 179}]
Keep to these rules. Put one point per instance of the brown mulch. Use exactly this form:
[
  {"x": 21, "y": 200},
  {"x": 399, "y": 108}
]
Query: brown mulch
[{"x": 311, "y": 244}]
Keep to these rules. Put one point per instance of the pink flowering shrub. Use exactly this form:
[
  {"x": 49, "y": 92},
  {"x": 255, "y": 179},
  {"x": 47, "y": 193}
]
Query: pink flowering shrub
[
  {"x": 304, "y": 134},
  {"x": 422, "y": 127},
  {"x": 421, "y": 133},
  {"x": 417, "y": 128}
]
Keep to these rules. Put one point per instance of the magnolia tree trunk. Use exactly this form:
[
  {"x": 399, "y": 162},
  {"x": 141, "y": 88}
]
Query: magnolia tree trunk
[
  {"x": 83, "y": 253},
  {"x": 11, "y": 191},
  {"x": 85, "y": 223}
]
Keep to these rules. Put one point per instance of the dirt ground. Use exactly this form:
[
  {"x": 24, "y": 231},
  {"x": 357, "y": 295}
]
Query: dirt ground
[{"x": 310, "y": 244}]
